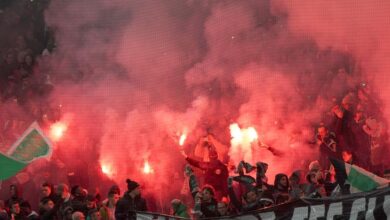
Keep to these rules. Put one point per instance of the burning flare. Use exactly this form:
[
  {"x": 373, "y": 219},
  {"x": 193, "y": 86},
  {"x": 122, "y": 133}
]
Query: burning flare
[
  {"x": 241, "y": 142},
  {"x": 107, "y": 170},
  {"x": 182, "y": 139},
  {"x": 57, "y": 130},
  {"x": 147, "y": 168}
]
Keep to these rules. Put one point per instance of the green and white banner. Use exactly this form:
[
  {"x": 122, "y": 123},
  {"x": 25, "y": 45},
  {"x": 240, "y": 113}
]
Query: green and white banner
[{"x": 33, "y": 144}]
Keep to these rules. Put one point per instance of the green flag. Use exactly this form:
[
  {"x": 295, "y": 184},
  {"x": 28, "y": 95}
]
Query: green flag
[
  {"x": 32, "y": 145},
  {"x": 359, "y": 179},
  {"x": 9, "y": 167}
]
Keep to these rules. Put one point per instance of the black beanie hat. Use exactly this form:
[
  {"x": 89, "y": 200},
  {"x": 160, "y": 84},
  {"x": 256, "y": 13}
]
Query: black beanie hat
[{"x": 131, "y": 185}]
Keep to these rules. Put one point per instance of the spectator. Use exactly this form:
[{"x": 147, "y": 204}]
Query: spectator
[
  {"x": 3, "y": 212},
  {"x": 15, "y": 211},
  {"x": 78, "y": 216},
  {"x": 130, "y": 202},
  {"x": 15, "y": 195},
  {"x": 223, "y": 208},
  {"x": 315, "y": 179},
  {"x": 90, "y": 204},
  {"x": 79, "y": 199},
  {"x": 208, "y": 204},
  {"x": 328, "y": 147},
  {"x": 205, "y": 203},
  {"x": 281, "y": 187},
  {"x": 68, "y": 213},
  {"x": 179, "y": 209},
  {"x": 94, "y": 214},
  {"x": 254, "y": 199},
  {"x": 216, "y": 172},
  {"x": 361, "y": 140},
  {"x": 28, "y": 212},
  {"x": 47, "y": 191},
  {"x": 65, "y": 199},
  {"x": 107, "y": 211},
  {"x": 48, "y": 211},
  {"x": 296, "y": 185}
]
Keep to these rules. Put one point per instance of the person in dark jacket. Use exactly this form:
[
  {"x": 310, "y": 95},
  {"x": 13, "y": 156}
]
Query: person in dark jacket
[
  {"x": 281, "y": 188},
  {"x": 130, "y": 202},
  {"x": 28, "y": 212},
  {"x": 216, "y": 172},
  {"x": 15, "y": 195},
  {"x": 66, "y": 200},
  {"x": 47, "y": 191},
  {"x": 15, "y": 210},
  {"x": 49, "y": 210},
  {"x": 208, "y": 205}
]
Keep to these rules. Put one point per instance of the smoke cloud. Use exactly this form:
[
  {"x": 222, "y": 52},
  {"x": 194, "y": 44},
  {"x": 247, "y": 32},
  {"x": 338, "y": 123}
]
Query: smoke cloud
[{"x": 135, "y": 75}]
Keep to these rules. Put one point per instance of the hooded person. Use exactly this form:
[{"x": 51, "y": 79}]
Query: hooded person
[
  {"x": 281, "y": 188},
  {"x": 130, "y": 203}
]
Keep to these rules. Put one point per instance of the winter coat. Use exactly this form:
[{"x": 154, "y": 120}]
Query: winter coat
[
  {"x": 281, "y": 194},
  {"x": 126, "y": 207}
]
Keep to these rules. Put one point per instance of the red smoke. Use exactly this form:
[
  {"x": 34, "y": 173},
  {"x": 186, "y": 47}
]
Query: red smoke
[{"x": 156, "y": 70}]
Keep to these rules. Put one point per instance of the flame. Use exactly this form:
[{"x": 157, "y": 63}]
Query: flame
[
  {"x": 241, "y": 142},
  {"x": 107, "y": 170},
  {"x": 252, "y": 134},
  {"x": 147, "y": 168},
  {"x": 182, "y": 139},
  {"x": 57, "y": 130}
]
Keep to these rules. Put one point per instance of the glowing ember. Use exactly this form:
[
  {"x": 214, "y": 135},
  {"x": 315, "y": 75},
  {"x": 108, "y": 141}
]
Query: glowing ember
[
  {"x": 182, "y": 139},
  {"x": 147, "y": 169},
  {"x": 57, "y": 130}
]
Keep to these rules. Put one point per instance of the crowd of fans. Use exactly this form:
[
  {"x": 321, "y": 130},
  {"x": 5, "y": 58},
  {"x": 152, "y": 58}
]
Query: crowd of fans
[
  {"x": 243, "y": 193},
  {"x": 352, "y": 131}
]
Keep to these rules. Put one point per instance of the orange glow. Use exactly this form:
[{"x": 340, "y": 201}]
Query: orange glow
[
  {"x": 182, "y": 139},
  {"x": 147, "y": 168},
  {"x": 57, "y": 130}
]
